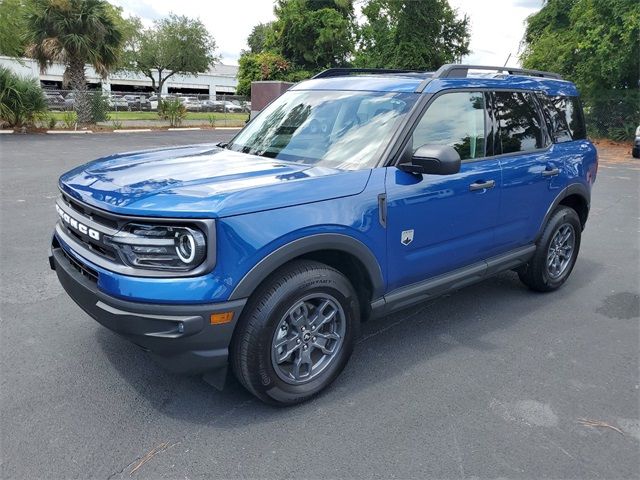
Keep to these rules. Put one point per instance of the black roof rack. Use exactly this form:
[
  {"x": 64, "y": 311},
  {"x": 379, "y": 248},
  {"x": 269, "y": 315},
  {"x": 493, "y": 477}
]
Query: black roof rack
[
  {"x": 453, "y": 70},
  {"x": 343, "y": 72},
  {"x": 450, "y": 70}
]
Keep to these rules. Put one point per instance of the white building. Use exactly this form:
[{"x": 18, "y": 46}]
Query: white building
[{"x": 221, "y": 79}]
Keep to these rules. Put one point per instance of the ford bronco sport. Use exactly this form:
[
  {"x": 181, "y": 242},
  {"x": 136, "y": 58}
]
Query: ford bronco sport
[{"x": 355, "y": 194}]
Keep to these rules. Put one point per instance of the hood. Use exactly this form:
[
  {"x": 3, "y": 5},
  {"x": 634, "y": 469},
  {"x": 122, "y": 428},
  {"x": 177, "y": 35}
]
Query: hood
[{"x": 203, "y": 181}]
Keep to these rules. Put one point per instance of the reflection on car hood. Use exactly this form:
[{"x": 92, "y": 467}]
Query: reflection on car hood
[{"x": 203, "y": 181}]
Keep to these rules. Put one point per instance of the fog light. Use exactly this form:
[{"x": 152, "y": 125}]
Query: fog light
[{"x": 181, "y": 327}]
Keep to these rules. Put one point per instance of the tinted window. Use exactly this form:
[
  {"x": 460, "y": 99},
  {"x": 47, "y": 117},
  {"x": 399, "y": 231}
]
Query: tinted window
[
  {"x": 455, "y": 119},
  {"x": 565, "y": 118},
  {"x": 519, "y": 126}
]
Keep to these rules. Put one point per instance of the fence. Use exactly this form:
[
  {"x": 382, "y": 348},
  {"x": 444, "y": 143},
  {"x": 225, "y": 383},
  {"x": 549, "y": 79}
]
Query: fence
[
  {"x": 612, "y": 114},
  {"x": 142, "y": 109}
]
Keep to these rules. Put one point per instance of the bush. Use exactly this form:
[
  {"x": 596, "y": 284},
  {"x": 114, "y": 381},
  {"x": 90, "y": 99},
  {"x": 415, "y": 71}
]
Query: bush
[
  {"x": 172, "y": 110},
  {"x": 99, "y": 105},
  {"x": 22, "y": 101},
  {"x": 70, "y": 119},
  {"x": 612, "y": 114}
]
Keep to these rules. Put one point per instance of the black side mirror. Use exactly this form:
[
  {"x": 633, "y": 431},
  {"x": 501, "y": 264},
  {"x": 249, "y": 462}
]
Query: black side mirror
[{"x": 432, "y": 159}]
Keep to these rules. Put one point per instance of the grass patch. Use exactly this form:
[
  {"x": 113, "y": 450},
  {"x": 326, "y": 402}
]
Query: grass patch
[{"x": 231, "y": 118}]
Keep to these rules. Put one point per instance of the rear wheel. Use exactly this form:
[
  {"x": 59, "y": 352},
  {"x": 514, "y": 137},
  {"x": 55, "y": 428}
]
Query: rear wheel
[
  {"x": 297, "y": 334},
  {"x": 556, "y": 253}
]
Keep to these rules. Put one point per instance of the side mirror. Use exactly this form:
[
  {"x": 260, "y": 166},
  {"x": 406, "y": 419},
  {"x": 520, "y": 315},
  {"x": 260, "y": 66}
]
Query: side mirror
[{"x": 432, "y": 159}]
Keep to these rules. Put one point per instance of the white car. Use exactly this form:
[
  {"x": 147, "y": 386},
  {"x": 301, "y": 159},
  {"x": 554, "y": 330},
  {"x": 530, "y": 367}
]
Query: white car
[{"x": 636, "y": 144}]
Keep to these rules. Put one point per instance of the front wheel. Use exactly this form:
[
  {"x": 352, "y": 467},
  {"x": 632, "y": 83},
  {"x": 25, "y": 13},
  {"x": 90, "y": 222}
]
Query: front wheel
[
  {"x": 297, "y": 333},
  {"x": 556, "y": 252}
]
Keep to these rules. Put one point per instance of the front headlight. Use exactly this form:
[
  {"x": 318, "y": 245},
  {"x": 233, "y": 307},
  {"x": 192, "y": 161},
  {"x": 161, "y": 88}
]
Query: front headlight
[{"x": 160, "y": 247}]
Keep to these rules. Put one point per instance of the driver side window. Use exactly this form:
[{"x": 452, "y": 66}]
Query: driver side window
[{"x": 456, "y": 119}]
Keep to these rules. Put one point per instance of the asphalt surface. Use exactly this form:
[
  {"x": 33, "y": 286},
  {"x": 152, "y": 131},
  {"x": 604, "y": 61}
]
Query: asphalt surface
[{"x": 492, "y": 381}]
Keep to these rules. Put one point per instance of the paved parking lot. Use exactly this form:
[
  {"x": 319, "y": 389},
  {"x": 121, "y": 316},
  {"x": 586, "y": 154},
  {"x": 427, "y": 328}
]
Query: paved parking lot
[{"x": 493, "y": 381}]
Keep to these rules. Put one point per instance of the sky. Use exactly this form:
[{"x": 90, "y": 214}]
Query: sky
[{"x": 497, "y": 26}]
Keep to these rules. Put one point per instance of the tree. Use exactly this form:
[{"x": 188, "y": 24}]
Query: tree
[
  {"x": 260, "y": 66},
  {"x": 74, "y": 33},
  {"x": 411, "y": 35},
  {"x": 12, "y": 26},
  {"x": 313, "y": 34},
  {"x": 257, "y": 39},
  {"x": 596, "y": 44},
  {"x": 174, "y": 45}
]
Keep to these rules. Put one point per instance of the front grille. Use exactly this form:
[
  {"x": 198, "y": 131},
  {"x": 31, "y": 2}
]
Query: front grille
[
  {"x": 87, "y": 272},
  {"x": 90, "y": 213}
]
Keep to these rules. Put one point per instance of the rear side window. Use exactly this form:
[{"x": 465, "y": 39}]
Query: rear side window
[
  {"x": 519, "y": 124},
  {"x": 456, "y": 119},
  {"x": 566, "y": 121}
]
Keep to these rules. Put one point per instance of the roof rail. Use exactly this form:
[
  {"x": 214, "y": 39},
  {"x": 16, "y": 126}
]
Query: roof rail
[
  {"x": 453, "y": 70},
  {"x": 343, "y": 72}
]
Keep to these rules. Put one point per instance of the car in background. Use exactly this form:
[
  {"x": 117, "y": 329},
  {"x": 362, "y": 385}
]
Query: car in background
[
  {"x": 118, "y": 102},
  {"x": 138, "y": 103},
  {"x": 192, "y": 104},
  {"x": 636, "y": 144},
  {"x": 70, "y": 101},
  {"x": 55, "y": 101},
  {"x": 221, "y": 106}
]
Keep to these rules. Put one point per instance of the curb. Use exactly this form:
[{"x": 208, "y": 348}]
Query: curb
[
  {"x": 68, "y": 132},
  {"x": 6, "y": 132},
  {"x": 183, "y": 129},
  {"x": 228, "y": 128},
  {"x": 132, "y": 130}
]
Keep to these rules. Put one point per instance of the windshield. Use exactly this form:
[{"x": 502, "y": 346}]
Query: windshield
[{"x": 334, "y": 129}]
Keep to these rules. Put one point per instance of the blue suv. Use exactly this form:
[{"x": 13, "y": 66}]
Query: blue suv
[{"x": 353, "y": 195}]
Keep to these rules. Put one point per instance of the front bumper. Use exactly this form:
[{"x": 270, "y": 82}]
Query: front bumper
[{"x": 179, "y": 337}]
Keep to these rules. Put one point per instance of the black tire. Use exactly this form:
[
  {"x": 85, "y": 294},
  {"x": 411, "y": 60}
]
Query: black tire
[
  {"x": 252, "y": 347},
  {"x": 537, "y": 274}
]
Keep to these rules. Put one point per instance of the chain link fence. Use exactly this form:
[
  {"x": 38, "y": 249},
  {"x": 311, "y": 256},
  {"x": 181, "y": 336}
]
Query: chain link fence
[{"x": 136, "y": 109}]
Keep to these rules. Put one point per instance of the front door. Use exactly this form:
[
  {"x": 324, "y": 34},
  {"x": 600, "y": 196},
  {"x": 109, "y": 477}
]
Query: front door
[{"x": 438, "y": 223}]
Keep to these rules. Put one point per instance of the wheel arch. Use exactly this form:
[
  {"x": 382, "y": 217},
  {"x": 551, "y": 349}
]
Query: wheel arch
[
  {"x": 576, "y": 196},
  {"x": 344, "y": 253}
]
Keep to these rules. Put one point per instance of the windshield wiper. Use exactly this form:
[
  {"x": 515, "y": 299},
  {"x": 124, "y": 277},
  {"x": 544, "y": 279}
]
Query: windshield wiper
[{"x": 222, "y": 144}]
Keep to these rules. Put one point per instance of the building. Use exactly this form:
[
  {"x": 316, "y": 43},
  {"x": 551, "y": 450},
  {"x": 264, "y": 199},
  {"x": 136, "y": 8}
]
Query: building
[{"x": 221, "y": 79}]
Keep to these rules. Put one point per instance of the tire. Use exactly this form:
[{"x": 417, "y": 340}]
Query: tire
[
  {"x": 275, "y": 315},
  {"x": 552, "y": 261}
]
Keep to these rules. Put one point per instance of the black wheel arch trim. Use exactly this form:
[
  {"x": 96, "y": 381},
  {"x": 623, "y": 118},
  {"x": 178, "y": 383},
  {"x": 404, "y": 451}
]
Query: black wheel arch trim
[
  {"x": 302, "y": 246},
  {"x": 573, "y": 189}
]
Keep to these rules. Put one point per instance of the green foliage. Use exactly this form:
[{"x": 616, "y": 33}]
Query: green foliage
[
  {"x": 596, "y": 44},
  {"x": 260, "y": 66},
  {"x": 212, "y": 120},
  {"x": 12, "y": 26},
  {"x": 22, "y": 101},
  {"x": 117, "y": 125},
  {"x": 257, "y": 39},
  {"x": 174, "y": 45},
  {"x": 70, "y": 119},
  {"x": 411, "y": 35},
  {"x": 51, "y": 124},
  {"x": 172, "y": 110},
  {"x": 74, "y": 33},
  {"x": 313, "y": 35},
  {"x": 99, "y": 105}
]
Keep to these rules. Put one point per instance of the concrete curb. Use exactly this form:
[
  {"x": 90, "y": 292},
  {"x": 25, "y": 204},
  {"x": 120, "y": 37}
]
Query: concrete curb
[
  {"x": 6, "y": 132},
  {"x": 68, "y": 132},
  {"x": 183, "y": 129},
  {"x": 227, "y": 128},
  {"x": 132, "y": 130}
]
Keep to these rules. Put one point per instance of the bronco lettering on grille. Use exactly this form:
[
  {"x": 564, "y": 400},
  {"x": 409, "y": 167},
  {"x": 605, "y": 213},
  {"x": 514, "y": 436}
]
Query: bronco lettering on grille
[{"x": 75, "y": 224}]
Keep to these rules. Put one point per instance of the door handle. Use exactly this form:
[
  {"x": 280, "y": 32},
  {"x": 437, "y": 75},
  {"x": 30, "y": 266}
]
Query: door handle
[
  {"x": 482, "y": 185},
  {"x": 551, "y": 172}
]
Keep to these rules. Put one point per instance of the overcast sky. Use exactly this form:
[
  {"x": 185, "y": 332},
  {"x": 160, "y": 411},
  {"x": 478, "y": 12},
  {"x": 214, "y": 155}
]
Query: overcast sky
[{"x": 497, "y": 26}]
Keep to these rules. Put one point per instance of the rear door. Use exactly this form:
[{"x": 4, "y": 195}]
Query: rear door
[
  {"x": 532, "y": 173},
  {"x": 437, "y": 223}
]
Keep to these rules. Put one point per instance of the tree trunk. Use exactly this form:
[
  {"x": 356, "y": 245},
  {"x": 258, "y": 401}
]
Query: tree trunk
[{"x": 82, "y": 102}]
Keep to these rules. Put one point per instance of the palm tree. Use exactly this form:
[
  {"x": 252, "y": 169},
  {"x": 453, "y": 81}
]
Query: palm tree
[{"x": 74, "y": 33}]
